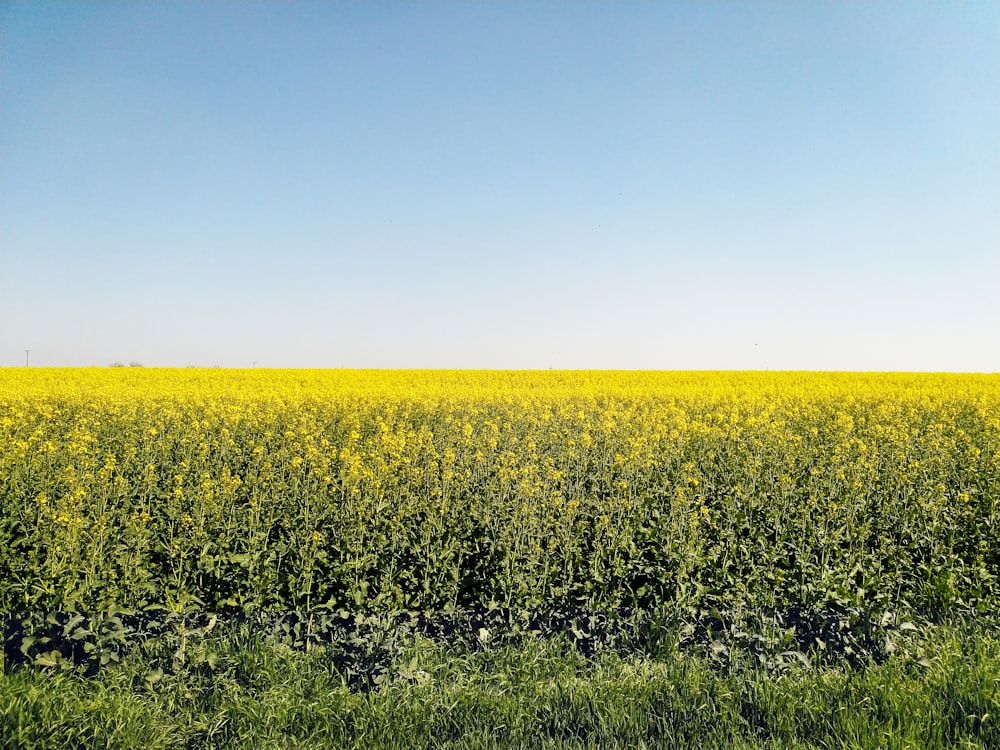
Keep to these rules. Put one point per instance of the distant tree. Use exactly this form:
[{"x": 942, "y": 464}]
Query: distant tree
[
  {"x": 133, "y": 363},
  {"x": 117, "y": 364}
]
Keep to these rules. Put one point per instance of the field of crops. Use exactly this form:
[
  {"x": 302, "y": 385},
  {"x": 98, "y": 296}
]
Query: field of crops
[
  {"x": 419, "y": 490},
  {"x": 224, "y": 558}
]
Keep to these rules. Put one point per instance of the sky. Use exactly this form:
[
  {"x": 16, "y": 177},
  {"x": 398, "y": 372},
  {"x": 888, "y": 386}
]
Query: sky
[{"x": 574, "y": 185}]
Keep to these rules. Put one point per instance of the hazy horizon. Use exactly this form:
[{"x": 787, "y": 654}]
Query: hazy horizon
[{"x": 525, "y": 185}]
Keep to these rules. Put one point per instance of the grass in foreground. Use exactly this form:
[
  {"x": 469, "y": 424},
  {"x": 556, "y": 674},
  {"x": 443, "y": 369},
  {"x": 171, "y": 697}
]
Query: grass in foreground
[{"x": 540, "y": 695}]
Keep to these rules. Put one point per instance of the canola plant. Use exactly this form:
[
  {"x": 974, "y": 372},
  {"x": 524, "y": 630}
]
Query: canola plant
[{"x": 276, "y": 490}]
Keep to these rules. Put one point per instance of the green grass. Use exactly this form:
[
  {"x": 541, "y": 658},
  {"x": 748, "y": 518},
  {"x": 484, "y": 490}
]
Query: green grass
[{"x": 540, "y": 694}]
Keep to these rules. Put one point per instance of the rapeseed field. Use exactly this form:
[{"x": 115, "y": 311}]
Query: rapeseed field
[{"x": 263, "y": 490}]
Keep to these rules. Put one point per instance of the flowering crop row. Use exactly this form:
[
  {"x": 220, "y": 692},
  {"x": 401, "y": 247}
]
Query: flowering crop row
[{"x": 390, "y": 490}]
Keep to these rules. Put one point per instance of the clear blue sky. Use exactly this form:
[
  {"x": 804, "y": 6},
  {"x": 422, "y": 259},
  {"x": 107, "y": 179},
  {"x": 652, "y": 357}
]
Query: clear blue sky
[{"x": 679, "y": 185}]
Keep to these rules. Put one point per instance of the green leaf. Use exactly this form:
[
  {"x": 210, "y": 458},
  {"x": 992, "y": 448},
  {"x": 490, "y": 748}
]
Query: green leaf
[
  {"x": 49, "y": 659},
  {"x": 73, "y": 622},
  {"x": 154, "y": 675}
]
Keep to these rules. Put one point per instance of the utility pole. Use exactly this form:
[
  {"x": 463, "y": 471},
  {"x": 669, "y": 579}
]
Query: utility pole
[{"x": 26, "y": 353}]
